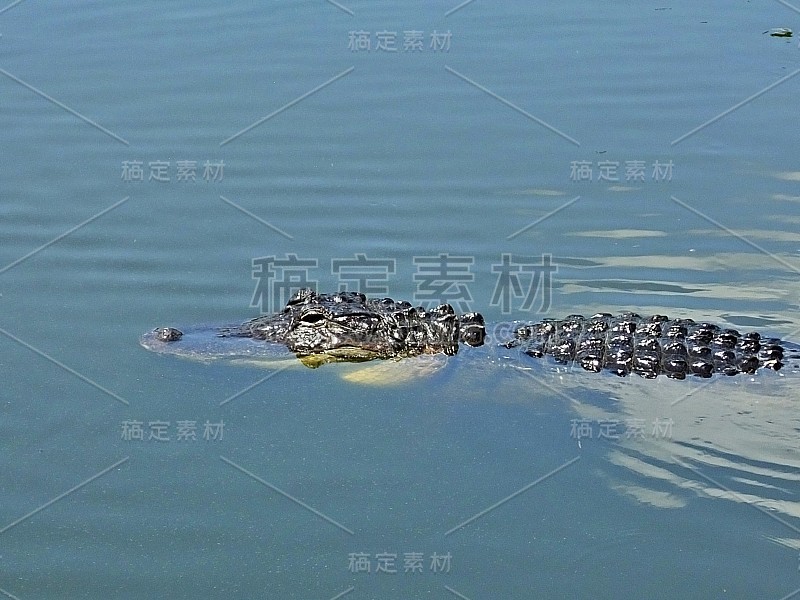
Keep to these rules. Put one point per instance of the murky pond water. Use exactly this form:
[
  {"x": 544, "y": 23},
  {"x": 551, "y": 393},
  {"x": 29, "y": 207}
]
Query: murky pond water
[{"x": 190, "y": 163}]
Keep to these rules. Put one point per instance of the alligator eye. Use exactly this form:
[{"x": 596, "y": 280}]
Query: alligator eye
[{"x": 312, "y": 318}]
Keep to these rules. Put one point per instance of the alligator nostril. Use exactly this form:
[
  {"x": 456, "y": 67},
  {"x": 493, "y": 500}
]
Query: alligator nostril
[{"x": 167, "y": 334}]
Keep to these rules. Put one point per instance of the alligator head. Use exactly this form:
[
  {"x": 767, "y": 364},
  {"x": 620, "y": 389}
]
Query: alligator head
[{"x": 346, "y": 326}]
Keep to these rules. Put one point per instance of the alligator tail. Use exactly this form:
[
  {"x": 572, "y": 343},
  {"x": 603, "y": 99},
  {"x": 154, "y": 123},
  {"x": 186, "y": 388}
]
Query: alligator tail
[{"x": 651, "y": 346}]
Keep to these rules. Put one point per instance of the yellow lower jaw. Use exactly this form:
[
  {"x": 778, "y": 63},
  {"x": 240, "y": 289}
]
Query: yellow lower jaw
[{"x": 346, "y": 354}]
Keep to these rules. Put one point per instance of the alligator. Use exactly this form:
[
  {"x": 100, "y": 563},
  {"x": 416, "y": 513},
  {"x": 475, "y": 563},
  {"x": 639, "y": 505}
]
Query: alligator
[{"x": 348, "y": 327}]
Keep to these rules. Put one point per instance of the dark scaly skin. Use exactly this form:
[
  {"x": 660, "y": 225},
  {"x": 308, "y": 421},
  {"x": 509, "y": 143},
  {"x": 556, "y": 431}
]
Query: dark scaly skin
[
  {"x": 648, "y": 346},
  {"x": 347, "y": 326}
]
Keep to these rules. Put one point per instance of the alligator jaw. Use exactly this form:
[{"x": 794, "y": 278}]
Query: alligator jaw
[{"x": 343, "y": 354}]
